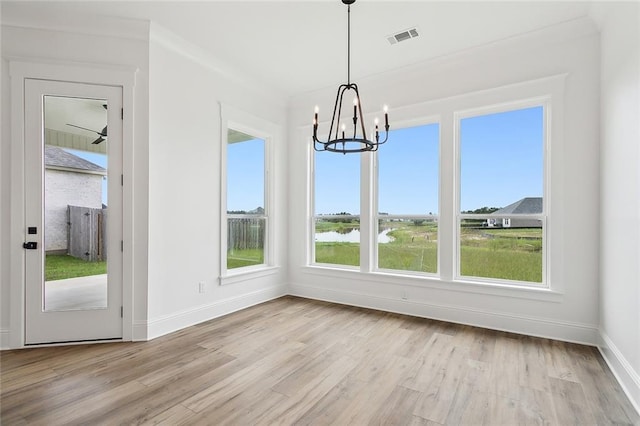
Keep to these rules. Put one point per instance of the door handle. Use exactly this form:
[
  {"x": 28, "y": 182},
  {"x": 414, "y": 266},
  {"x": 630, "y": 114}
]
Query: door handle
[{"x": 31, "y": 245}]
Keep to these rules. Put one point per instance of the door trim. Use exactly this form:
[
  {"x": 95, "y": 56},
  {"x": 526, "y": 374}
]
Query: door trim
[{"x": 124, "y": 77}]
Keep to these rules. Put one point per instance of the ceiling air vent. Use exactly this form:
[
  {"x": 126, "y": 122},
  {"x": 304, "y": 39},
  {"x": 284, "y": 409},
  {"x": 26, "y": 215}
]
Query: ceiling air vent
[{"x": 403, "y": 35}]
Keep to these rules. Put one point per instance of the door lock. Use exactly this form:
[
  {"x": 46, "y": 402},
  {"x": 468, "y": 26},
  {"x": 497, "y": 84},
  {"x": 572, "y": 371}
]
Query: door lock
[{"x": 31, "y": 245}]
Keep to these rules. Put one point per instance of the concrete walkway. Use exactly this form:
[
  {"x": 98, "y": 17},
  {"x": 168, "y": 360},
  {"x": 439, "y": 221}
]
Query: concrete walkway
[{"x": 76, "y": 293}]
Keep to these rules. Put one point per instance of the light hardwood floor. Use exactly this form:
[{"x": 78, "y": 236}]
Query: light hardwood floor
[{"x": 297, "y": 361}]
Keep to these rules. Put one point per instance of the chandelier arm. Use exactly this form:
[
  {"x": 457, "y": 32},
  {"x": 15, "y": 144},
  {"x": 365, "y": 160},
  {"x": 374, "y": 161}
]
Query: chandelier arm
[
  {"x": 386, "y": 136},
  {"x": 333, "y": 117},
  {"x": 337, "y": 110},
  {"x": 364, "y": 132}
]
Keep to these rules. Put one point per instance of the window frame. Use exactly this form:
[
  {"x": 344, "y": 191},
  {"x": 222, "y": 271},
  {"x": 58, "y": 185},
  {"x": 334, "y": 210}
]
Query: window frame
[
  {"x": 405, "y": 124},
  {"x": 514, "y": 105},
  {"x": 232, "y": 118}
]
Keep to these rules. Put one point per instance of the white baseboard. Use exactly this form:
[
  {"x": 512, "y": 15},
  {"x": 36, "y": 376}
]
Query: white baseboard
[
  {"x": 538, "y": 327},
  {"x": 4, "y": 339},
  {"x": 621, "y": 368},
  {"x": 164, "y": 325}
]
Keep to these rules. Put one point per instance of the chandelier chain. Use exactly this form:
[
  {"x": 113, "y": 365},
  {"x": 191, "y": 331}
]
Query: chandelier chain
[{"x": 348, "y": 44}]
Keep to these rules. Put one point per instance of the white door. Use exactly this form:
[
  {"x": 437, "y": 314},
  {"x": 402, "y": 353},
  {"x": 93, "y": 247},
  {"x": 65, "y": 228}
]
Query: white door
[{"x": 73, "y": 209}]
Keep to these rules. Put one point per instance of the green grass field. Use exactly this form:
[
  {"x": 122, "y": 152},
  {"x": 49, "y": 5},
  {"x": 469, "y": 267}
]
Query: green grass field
[
  {"x": 510, "y": 254},
  {"x": 59, "y": 267},
  {"x": 247, "y": 257}
]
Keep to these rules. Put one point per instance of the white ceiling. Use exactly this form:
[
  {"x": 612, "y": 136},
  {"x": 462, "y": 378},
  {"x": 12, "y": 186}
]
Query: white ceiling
[{"x": 298, "y": 46}]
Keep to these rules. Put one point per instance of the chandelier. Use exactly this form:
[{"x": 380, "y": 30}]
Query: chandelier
[{"x": 339, "y": 140}]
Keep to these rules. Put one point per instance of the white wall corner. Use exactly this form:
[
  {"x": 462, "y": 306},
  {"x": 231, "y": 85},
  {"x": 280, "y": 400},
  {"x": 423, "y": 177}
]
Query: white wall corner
[
  {"x": 537, "y": 327},
  {"x": 4, "y": 339},
  {"x": 169, "y": 323},
  {"x": 139, "y": 331},
  {"x": 627, "y": 377}
]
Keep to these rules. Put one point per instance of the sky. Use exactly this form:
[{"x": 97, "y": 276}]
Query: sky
[
  {"x": 245, "y": 175},
  {"x": 501, "y": 158},
  {"x": 501, "y": 162}
]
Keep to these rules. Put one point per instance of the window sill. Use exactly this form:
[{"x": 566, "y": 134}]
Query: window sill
[
  {"x": 485, "y": 288},
  {"x": 251, "y": 273}
]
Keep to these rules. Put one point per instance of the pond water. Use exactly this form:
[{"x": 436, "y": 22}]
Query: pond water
[{"x": 350, "y": 237}]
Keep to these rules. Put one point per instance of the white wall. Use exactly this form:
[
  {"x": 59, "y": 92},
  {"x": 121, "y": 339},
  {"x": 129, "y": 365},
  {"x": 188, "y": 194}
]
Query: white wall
[
  {"x": 5, "y": 189},
  {"x": 186, "y": 88},
  {"x": 572, "y": 314},
  {"x": 620, "y": 193}
]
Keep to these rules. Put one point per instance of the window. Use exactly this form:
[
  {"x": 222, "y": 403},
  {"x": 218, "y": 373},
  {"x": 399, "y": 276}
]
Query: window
[
  {"x": 460, "y": 196},
  {"x": 247, "y": 210},
  {"x": 337, "y": 209},
  {"x": 408, "y": 185},
  {"x": 501, "y": 217}
]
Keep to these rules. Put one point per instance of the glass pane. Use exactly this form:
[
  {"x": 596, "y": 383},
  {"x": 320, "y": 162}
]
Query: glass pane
[
  {"x": 509, "y": 253},
  {"x": 408, "y": 245},
  {"x": 337, "y": 240},
  {"x": 245, "y": 174},
  {"x": 75, "y": 203},
  {"x": 501, "y": 159},
  {"x": 337, "y": 183},
  {"x": 337, "y": 192},
  {"x": 501, "y": 176},
  {"x": 245, "y": 242},
  {"x": 408, "y": 182},
  {"x": 245, "y": 197},
  {"x": 408, "y": 172}
]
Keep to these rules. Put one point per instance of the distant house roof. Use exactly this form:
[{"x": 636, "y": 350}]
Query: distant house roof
[
  {"x": 57, "y": 157},
  {"x": 528, "y": 205}
]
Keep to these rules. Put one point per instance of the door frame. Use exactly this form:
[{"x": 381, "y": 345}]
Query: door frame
[
  {"x": 69, "y": 325},
  {"x": 19, "y": 70}
]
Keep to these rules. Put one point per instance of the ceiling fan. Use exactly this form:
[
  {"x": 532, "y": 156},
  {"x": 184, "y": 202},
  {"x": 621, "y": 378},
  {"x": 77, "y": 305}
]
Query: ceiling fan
[{"x": 101, "y": 135}]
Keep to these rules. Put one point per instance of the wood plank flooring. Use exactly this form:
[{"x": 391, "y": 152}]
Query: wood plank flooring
[{"x": 297, "y": 361}]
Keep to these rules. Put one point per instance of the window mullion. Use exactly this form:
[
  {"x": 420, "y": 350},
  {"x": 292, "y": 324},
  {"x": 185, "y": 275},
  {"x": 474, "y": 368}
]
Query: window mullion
[
  {"x": 367, "y": 233},
  {"x": 449, "y": 169}
]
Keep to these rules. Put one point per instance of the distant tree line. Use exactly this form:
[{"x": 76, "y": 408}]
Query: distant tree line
[
  {"x": 257, "y": 210},
  {"x": 482, "y": 210}
]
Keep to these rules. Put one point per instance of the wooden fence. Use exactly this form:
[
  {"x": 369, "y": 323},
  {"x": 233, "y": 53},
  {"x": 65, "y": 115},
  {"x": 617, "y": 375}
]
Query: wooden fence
[
  {"x": 87, "y": 233},
  {"x": 245, "y": 233}
]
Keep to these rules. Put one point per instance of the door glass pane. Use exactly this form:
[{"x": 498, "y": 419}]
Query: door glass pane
[{"x": 75, "y": 203}]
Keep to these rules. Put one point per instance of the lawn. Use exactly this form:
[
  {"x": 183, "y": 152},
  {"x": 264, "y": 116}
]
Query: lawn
[
  {"x": 338, "y": 253},
  {"x": 501, "y": 263},
  {"x": 59, "y": 267},
  {"x": 510, "y": 254},
  {"x": 248, "y": 257}
]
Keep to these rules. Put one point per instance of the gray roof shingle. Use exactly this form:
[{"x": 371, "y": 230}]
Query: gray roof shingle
[
  {"x": 528, "y": 205},
  {"x": 58, "y": 157}
]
